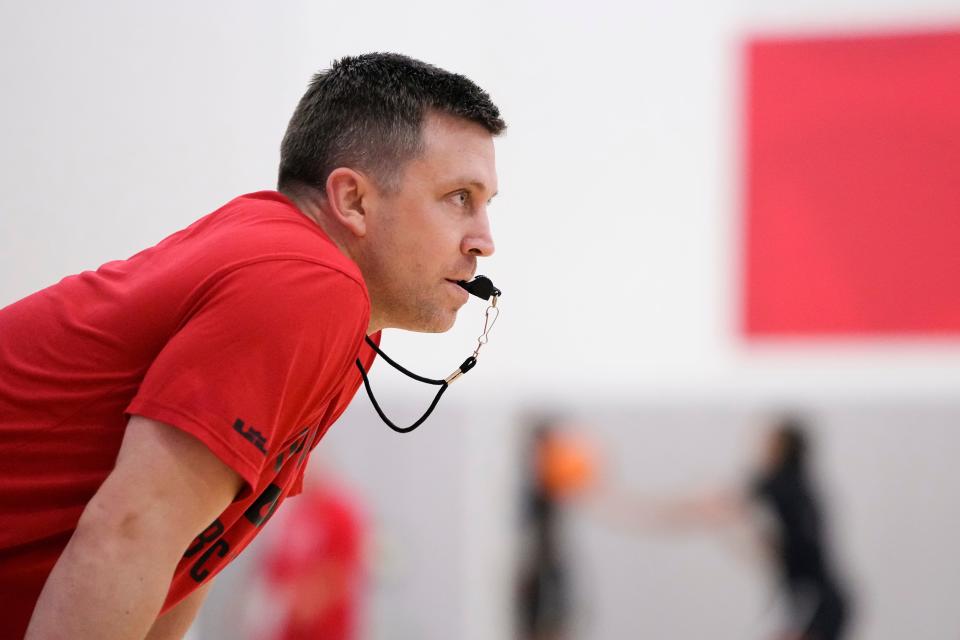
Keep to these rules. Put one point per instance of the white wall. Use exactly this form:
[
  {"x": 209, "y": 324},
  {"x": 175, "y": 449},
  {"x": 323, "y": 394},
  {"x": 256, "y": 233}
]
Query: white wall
[{"x": 616, "y": 225}]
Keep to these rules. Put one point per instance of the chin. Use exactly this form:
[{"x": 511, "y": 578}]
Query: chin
[
  {"x": 449, "y": 324},
  {"x": 439, "y": 322},
  {"x": 440, "y": 325}
]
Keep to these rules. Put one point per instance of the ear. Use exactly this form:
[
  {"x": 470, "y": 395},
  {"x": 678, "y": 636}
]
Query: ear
[{"x": 346, "y": 190}]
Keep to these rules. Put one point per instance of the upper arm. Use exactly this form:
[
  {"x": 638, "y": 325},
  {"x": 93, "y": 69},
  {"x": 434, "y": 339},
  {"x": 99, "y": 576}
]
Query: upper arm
[
  {"x": 165, "y": 483},
  {"x": 253, "y": 361}
]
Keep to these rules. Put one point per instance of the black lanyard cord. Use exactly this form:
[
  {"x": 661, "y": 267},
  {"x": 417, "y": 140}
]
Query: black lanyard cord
[
  {"x": 373, "y": 345},
  {"x": 443, "y": 384},
  {"x": 482, "y": 287},
  {"x": 366, "y": 383}
]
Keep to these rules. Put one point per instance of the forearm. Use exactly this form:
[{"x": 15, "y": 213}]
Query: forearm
[
  {"x": 175, "y": 623},
  {"x": 103, "y": 586},
  {"x": 114, "y": 574}
]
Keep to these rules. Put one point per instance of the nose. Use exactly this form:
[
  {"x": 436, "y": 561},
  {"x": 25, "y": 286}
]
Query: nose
[{"x": 479, "y": 240}]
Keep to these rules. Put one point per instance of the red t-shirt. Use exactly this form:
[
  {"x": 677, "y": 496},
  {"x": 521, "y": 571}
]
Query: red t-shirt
[{"x": 241, "y": 330}]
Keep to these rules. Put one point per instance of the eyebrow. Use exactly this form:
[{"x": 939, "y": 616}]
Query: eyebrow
[{"x": 482, "y": 187}]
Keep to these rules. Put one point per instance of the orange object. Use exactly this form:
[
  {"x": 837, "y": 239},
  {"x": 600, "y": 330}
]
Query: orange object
[{"x": 567, "y": 465}]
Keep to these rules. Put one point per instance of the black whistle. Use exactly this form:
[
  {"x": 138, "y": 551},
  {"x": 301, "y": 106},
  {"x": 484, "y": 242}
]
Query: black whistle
[{"x": 480, "y": 286}]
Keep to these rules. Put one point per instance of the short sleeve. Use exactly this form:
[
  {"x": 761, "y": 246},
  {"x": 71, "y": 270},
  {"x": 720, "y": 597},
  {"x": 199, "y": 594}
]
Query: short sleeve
[{"x": 266, "y": 345}]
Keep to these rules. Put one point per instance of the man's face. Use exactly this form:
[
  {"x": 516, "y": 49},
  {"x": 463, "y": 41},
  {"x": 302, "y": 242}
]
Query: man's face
[{"x": 429, "y": 233}]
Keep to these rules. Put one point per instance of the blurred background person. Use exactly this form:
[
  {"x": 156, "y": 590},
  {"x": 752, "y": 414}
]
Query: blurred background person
[
  {"x": 559, "y": 467},
  {"x": 792, "y": 538},
  {"x": 819, "y": 608},
  {"x": 313, "y": 568}
]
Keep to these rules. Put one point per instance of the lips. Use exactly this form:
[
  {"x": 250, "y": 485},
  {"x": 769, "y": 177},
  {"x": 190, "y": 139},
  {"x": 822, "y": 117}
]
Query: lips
[{"x": 460, "y": 289}]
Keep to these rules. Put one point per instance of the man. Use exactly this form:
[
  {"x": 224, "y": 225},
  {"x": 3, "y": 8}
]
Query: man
[{"x": 154, "y": 413}]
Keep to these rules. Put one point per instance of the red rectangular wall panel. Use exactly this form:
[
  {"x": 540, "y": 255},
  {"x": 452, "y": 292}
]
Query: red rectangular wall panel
[{"x": 852, "y": 196}]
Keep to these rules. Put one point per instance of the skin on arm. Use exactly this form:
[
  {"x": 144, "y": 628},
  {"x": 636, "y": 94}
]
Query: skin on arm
[
  {"x": 725, "y": 511},
  {"x": 114, "y": 574},
  {"x": 175, "y": 623}
]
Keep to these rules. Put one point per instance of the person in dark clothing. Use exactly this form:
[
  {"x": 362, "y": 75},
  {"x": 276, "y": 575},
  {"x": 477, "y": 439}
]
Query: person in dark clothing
[
  {"x": 559, "y": 467},
  {"x": 819, "y": 608},
  {"x": 543, "y": 599}
]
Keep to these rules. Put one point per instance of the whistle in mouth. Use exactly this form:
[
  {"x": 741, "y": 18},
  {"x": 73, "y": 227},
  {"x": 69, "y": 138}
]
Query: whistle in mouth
[{"x": 480, "y": 286}]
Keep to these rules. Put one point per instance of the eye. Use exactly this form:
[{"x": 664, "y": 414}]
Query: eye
[{"x": 461, "y": 198}]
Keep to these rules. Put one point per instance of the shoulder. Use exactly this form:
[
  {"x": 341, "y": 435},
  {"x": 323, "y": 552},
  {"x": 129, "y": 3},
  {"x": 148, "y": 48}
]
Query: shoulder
[
  {"x": 278, "y": 286},
  {"x": 264, "y": 226}
]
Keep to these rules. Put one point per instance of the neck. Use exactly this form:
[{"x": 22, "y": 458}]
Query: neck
[{"x": 315, "y": 207}]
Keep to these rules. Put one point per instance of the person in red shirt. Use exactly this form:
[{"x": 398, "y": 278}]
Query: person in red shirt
[
  {"x": 154, "y": 413},
  {"x": 314, "y": 565}
]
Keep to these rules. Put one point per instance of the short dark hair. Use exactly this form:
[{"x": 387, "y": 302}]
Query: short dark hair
[{"x": 367, "y": 112}]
